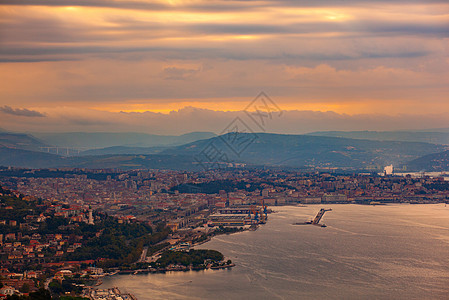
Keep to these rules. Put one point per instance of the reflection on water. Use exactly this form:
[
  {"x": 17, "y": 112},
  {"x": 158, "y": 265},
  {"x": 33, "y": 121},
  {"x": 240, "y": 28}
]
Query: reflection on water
[{"x": 366, "y": 252}]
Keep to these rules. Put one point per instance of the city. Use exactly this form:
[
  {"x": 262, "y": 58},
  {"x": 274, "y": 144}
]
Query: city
[
  {"x": 185, "y": 209},
  {"x": 225, "y": 149}
]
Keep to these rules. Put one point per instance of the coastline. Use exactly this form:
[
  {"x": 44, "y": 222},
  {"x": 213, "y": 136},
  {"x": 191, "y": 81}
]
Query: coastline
[
  {"x": 173, "y": 268},
  {"x": 180, "y": 268},
  {"x": 245, "y": 279}
]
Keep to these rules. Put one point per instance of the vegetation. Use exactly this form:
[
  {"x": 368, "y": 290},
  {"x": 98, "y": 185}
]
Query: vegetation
[
  {"x": 200, "y": 239},
  {"x": 112, "y": 243},
  {"x": 25, "y": 288},
  {"x": 15, "y": 208},
  {"x": 118, "y": 243},
  {"x": 41, "y": 294},
  {"x": 156, "y": 248},
  {"x": 271, "y": 149},
  {"x": 67, "y": 285},
  {"x": 214, "y": 187},
  {"x": 441, "y": 186},
  {"x": 227, "y": 230},
  {"x": 47, "y": 173},
  {"x": 195, "y": 258}
]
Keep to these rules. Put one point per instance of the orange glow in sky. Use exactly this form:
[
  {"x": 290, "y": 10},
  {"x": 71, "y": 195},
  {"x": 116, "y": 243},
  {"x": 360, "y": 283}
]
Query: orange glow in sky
[{"x": 349, "y": 57}]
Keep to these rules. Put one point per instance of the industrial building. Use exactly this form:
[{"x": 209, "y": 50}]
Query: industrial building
[{"x": 238, "y": 216}]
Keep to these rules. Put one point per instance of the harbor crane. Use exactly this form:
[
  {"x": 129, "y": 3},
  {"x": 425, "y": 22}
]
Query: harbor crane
[{"x": 317, "y": 219}]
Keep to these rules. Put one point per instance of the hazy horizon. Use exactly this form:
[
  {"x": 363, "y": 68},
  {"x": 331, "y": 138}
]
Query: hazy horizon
[{"x": 191, "y": 119}]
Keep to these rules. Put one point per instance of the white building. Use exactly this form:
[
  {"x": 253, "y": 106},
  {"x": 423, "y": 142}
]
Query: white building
[
  {"x": 388, "y": 170},
  {"x": 9, "y": 291}
]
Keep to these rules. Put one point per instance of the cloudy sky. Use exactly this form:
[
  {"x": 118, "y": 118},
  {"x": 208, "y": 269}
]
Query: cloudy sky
[{"x": 177, "y": 66}]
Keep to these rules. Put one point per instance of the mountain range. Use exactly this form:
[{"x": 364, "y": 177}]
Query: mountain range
[
  {"x": 404, "y": 136},
  {"x": 431, "y": 162},
  {"x": 254, "y": 149},
  {"x": 307, "y": 150},
  {"x": 21, "y": 141},
  {"x": 92, "y": 140}
]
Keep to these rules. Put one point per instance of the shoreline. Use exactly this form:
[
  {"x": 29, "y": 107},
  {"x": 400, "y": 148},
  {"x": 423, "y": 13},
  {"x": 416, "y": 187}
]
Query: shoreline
[
  {"x": 174, "y": 268},
  {"x": 178, "y": 268},
  {"x": 209, "y": 238},
  {"x": 237, "y": 279}
]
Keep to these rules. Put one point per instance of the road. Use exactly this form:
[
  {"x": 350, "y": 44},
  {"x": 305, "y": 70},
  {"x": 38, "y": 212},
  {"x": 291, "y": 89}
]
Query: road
[
  {"x": 47, "y": 282},
  {"x": 143, "y": 257}
]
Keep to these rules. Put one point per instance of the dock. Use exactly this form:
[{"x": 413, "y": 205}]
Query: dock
[{"x": 316, "y": 220}]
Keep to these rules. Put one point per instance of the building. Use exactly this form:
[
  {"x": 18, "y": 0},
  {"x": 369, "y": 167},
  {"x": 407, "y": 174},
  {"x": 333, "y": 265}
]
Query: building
[
  {"x": 388, "y": 170},
  {"x": 8, "y": 290},
  {"x": 337, "y": 198},
  {"x": 229, "y": 220},
  {"x": 311, "y": 200},
  {"x": 91, "y": 218},
  {"x": 237, "y": 216}
]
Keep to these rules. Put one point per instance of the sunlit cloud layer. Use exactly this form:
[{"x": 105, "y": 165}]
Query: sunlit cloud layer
[
  {"x": 189, "y": 119},
  {"x": 101, "y": 57}
]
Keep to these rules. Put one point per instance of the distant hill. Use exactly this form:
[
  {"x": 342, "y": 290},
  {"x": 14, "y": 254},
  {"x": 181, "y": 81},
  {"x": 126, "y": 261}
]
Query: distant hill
[
  {"x": 307, "y": 150},
  {"x": 153, "y": 161},
  {"x": 404, "y": 136},
  {"x": 261, "y": 149},
  {"x": 29, "y": 159},
  {"x": 436, "y": 162},
  {"x": 433, "y": 130},
  {"x": 123, "y": 150},
  {"x": 20, "y": 141},
  {"x": 34, "y": 159},
  {"x": 93, "y": 140}
]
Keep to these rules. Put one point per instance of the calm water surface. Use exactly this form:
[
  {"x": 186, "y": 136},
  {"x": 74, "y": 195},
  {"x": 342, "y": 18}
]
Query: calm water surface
[{"x": 366, "y": 252}]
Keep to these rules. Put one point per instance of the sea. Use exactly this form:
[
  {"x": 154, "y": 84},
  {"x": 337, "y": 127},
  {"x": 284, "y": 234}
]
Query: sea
[{"x": 397, "y": 251}]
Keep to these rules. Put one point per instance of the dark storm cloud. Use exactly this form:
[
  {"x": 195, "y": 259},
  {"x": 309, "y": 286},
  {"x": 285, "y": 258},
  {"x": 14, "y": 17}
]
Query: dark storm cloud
[{"x": 22, "y": 112}]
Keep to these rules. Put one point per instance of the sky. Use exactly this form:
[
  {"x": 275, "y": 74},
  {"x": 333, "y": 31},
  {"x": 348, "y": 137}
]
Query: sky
[{"x": 171, "y": 67}]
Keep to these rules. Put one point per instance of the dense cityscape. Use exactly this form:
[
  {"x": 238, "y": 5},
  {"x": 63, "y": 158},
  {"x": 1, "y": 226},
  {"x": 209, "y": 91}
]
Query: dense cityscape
[{"x": 64, "y": 229}]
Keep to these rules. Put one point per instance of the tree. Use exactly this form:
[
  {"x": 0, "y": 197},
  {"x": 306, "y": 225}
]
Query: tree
[
  {"x": 25, "y": 288},
  {"x": 41, "y": 294},
  {"x": 55, "y": 287}
]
